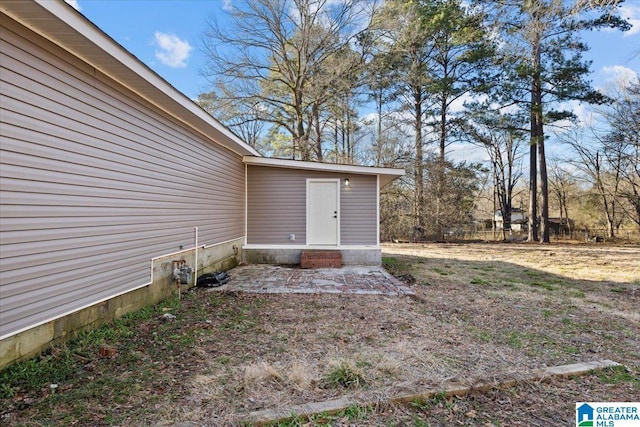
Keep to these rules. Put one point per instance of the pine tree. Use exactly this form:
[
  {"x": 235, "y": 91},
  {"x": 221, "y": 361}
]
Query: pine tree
[{"x": 541, "y": 58}]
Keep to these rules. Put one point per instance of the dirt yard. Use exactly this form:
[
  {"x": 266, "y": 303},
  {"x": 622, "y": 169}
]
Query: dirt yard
[{"x": 482, "y": 311}]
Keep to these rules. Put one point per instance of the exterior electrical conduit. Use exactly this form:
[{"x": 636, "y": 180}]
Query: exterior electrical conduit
[{"x": 195, "y": 267}]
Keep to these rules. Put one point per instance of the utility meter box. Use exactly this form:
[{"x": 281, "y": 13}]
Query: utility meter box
[{"x": 185, "y": 275}]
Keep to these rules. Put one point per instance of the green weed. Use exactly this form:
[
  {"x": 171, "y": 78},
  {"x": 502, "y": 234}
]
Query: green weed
[
  {"x": 223, "y": 360},
  {"x": 293, "y": 421},
  {"x": 546, "y": 286},
  {"x": 389, "y": 261},
  {"x": 577, "y": 294},
  {"x": 514, "y": 339},
  {"x": 417, "y": 422},
  {"x": 344, "y": 374},
  {"x": 620, "y": 375},
  {"x": 356, "y": 412},
  {"x": 483, "y": 335},
  {"x": 352, "y": 413}
]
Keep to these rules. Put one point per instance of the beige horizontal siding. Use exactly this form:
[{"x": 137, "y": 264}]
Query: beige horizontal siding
[
  {"x": 358, "y": 211},
  {"x": 95, "y": 182},
  {"x": 277, "y": 206}
]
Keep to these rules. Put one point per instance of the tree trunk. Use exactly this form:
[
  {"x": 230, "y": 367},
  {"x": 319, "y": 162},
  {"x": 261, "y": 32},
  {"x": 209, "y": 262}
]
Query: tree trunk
[
  {"x": 336, "y": 145},
  {"x": 566, "y": 215},
  {"x": 318, "y": 129},
  {"x": 440, "y": 172},
  {"x": 544, "y": 189},
  {"x": 443, "y": 131},
  {"x": 379, "y": 130},
  {"x": 419, "y": 167},
  {"x": 536, "y": 128},
  {"x": 349, "y": 137},
  {"x": 533, "y": 184}
]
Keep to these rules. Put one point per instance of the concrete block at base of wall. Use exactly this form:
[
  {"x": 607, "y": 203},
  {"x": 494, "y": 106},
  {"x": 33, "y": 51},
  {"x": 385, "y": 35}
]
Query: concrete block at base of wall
[
  {"x": 361, "y": 257},
  {"x": 292, "y": 256},
  {"x": 38, "y": 339}
]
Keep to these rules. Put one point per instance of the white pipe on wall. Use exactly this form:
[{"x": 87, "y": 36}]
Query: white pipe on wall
[{"x": 195, "y": 267}]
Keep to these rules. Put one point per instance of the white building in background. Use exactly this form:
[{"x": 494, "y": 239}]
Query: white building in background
[{"x": 519, "y": 220}]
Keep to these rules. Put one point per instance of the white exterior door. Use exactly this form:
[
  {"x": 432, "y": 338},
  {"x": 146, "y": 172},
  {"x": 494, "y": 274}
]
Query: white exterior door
[{"x": 323, "y": 211}]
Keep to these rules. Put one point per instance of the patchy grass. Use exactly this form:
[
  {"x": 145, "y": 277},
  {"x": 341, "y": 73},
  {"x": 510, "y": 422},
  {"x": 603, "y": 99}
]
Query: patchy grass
[
  {"x": 546, "y": 286},
  {"x": 498, "y": 310},
  {"x": 351, "y": 414},
  {"x": 620, "y": 376},
  {"x": 344, "y": 373}
]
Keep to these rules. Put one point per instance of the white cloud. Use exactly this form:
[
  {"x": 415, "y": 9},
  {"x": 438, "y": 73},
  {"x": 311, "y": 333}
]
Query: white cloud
[
  {"x": 458, "y": 105},
  {"x": 227, "y": 6},
  {"x": 173, "y": 51},
  {"x": 584, "y": 113},
  {"x": 466, "y": 152},
  {"x": 619, "y": 73},
  {"x": 631, "y": 13},
  {"x": 74, "y": 4}
]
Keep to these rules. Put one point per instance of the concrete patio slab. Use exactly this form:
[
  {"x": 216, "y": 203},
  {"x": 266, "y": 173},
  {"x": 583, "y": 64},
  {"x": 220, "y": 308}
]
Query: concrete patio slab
[{"x": 360, "y": 280}]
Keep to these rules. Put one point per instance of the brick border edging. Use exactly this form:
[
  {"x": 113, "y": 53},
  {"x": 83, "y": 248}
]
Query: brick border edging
[{"x": 307, "y": 410}]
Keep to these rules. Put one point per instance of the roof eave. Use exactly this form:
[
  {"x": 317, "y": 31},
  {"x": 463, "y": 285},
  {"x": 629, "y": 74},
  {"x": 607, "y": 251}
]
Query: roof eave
[
  {"x": 66, "y": 27},
  {"x": 386, "y": 174}
]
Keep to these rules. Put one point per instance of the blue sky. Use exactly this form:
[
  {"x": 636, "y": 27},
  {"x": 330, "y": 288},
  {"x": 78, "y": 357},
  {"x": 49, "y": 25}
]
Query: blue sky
[{"x": 164, "y": 34}]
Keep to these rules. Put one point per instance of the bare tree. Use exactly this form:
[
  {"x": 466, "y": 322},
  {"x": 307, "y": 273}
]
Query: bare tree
[
  {"x": 563, "y": 186},
  {"x": 242, "y": 118},
  {"x": 503, "y": 143},
  {"x": 280, "y": 55},
  {"x": 622, "y": 142},
  {"x": 602, "y": 170}
]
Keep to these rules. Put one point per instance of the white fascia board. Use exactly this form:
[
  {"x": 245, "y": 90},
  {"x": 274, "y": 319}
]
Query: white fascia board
[
  {"x": 105, "y": 53},
  {"x": 387, "y": 174}
]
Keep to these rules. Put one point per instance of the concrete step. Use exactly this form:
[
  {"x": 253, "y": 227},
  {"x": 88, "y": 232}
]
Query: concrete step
[{"x": 320, "y": 259}]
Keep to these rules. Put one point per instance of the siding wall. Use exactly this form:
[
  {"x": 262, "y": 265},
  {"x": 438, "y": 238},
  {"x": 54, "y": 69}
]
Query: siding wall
[
  {"x": 277, "y": 206},
  {"x": 94, "y": 183}
]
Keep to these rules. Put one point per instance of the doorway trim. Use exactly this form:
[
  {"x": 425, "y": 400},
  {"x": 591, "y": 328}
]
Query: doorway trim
[{"x": 310, "y": 181}]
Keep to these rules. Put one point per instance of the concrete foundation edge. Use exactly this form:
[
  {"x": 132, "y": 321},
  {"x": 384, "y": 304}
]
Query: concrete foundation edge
[
  {"x": 38, "y": 339},
  {"x": 292, "y": 256}
]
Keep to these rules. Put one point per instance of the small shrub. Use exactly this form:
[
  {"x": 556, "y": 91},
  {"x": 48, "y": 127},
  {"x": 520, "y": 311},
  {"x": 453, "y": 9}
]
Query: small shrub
[
  {"x": 344, "y": 374},
  {"x": 357, "y": 412}
]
